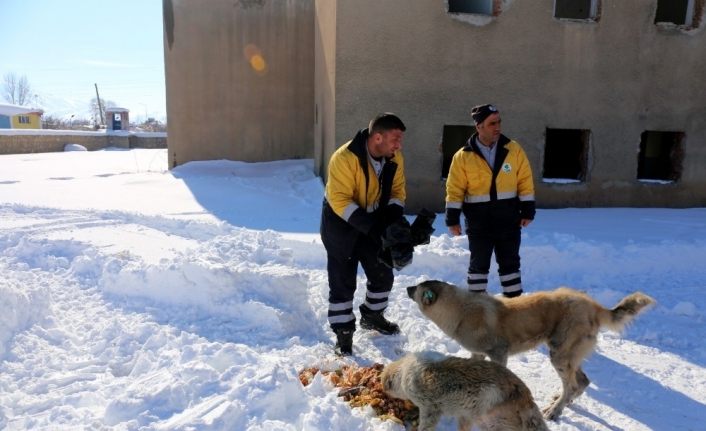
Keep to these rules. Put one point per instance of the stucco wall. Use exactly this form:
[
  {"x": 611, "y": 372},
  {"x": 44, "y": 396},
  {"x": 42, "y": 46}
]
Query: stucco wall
[
  {"x": 617, "y": 77},
  {"x": 221, "y": 102}
]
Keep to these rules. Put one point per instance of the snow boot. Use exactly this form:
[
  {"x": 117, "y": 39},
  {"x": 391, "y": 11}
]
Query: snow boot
[
  {"x": 375, "y": 320},
  {"x": 344, "y": 342}
]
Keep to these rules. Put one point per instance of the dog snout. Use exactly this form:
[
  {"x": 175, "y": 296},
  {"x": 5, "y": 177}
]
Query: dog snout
[{"x": 411, "y": 290}]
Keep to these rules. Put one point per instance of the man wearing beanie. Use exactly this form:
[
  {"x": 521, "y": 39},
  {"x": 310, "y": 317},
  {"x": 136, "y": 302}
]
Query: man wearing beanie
[{"x": 490, "y": 181}]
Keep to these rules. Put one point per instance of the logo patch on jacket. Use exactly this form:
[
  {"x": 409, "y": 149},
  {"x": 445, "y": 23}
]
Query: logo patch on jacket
[{"x": 507, "y": 168}]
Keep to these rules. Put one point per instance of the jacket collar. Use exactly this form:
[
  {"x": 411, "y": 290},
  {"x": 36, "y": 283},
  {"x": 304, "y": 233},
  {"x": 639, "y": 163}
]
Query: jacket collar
[
  {"x": 472, "y": 144},
  {"x": 359, "y": 146}
]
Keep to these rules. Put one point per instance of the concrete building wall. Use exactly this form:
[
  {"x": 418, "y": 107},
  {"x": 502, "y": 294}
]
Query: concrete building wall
[
  {"x": 325, "y": 89},
  {"x": 240, "y": 79},
  {"x": 617, "y": 77}
]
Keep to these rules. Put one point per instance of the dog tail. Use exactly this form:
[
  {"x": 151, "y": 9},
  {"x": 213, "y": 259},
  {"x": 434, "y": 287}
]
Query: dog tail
[{"x": 626, "y": 311}]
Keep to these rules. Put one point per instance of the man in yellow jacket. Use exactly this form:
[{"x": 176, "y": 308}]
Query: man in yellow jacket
[
  {"x": 490, "y": 181},
  {"x": 365, "y": 193}
]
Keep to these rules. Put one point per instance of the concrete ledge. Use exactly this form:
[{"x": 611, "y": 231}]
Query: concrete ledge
[{"x": 14, "y": 141}]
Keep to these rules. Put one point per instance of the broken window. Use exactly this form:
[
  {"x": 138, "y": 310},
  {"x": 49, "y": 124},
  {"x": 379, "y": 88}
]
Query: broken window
[
  {"x": 453, "y": 139},
  {"x": 661, "y": 155},
  {"x": 566, "y": 154},
  {"x": 481, "y": 7},
  {"x": 577, "y": 9},
  {"x": 679, "y": 12}
]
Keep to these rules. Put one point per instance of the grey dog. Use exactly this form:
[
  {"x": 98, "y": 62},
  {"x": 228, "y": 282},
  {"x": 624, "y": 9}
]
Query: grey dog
[{"x": 475, "y": 392}]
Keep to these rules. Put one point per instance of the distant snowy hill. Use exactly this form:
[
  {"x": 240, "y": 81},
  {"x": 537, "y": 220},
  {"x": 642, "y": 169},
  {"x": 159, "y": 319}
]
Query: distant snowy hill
[{"x": 64, "y": 108}]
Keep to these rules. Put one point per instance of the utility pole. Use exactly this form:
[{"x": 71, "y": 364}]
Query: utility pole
[{"x": 100, "y": 106}]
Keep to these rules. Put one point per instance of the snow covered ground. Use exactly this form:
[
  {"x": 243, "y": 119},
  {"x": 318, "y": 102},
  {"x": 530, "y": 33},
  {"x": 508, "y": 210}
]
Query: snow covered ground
[{"x": 132, "y": 297}]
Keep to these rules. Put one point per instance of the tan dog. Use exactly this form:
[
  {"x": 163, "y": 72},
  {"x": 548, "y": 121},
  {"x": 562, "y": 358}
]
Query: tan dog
[
  {"x": 566, "y": 320},
  {"x": 480, "y": 392}
]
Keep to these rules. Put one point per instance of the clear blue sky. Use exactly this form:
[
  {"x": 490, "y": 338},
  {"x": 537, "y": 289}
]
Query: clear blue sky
[{"x": 64, "y": 47}]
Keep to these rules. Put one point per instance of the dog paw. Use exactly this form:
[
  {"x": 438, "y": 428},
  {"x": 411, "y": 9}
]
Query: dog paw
[{"x": 552, "y": 412}]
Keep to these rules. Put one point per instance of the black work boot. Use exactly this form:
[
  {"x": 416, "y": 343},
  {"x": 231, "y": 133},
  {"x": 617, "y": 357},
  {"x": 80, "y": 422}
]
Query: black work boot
[
  {"x": 514, "y": 294},
  {"x": 375, "y": 320},
  {"x": 344, "y": 342}
]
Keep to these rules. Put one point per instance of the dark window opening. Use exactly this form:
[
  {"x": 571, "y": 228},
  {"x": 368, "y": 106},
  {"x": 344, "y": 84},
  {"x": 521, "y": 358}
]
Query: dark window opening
[
  {"x": 453, "y": 139},
  {"x": 576, "y": 9},
  {"x": 566, "y": 154},
  {"x": 685, "y": 14},
  {"x": 672, "y": 11},
  {"x": 661, "y": 155},
  {"x": 481, "y": 7}
]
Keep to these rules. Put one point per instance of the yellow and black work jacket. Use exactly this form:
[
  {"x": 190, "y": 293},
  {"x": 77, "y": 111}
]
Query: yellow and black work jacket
[
  {"x": 358, "y": 201},
  {"x": 501, "y": 195}
]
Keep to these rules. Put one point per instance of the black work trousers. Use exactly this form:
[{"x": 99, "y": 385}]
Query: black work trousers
[
  {"x": 342, "y": 278},
  {"x": 505, "y": 243}
]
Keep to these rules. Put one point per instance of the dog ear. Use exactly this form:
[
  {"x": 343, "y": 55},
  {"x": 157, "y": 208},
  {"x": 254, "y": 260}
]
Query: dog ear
[{"x": 428, "y": 297}]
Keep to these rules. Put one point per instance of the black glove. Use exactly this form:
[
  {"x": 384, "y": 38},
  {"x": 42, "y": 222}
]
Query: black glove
[
  {"x": 376, "y": 233},
  {"x": 382, "y": 219},
  {"x": 397, "y": 257},
  {"x": 453, "y": 216},
  {"x": 422, "y": 227},
  {"x": 399, "y": 232},
  {"x": 527, "y": 210},
  {"x": 397, "y": 250},
  {"x": 390, "y": 214}
]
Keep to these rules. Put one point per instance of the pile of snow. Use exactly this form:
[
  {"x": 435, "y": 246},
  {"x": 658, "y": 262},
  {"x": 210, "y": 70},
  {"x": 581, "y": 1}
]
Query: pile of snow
[
  {"x": 134, "y": 297},
  {"x": 74, "y": 147}
]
